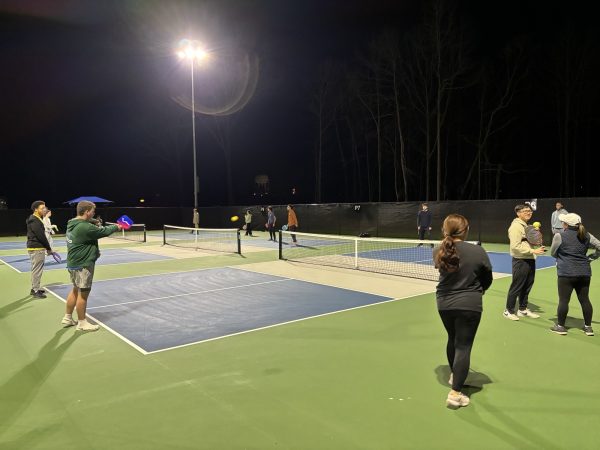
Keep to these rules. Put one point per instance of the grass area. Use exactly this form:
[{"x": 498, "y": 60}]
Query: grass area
[{"x": 373, "y": 378}]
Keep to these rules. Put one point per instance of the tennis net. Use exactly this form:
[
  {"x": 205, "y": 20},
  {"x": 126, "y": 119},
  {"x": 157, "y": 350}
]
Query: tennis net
[
  {"x": 136, "y": 233},
  {"x": 403, "y": 257},
  {"x": 226, "y": 240}
]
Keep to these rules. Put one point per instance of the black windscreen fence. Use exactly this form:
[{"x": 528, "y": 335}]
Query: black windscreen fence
[{"x": 489, "y": 219}]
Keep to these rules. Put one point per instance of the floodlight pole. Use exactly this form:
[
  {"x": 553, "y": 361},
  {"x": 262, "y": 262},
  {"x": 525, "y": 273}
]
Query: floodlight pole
[{"x": 194, "y": 137}]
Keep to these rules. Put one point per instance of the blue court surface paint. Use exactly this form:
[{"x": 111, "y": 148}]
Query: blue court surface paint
[
  {"x": 108, "y": 256},
  {"x": 164, "y": 311},
  {"x": 502, "y": 262},
  {"x": 22, "y": 245}
]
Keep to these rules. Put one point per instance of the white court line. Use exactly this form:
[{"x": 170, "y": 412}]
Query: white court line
[
  {"x": 120, "y": 336},
  {"x": 11, "y": 266},
  {"x": 190, "y": 293},
  {"x": 288, "y": 322}
]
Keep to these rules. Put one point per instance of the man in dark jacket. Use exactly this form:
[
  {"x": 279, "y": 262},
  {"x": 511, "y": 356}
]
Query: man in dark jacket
[
  {"x": 37, "y": 246},
  {"x": 424, "y": 221}
]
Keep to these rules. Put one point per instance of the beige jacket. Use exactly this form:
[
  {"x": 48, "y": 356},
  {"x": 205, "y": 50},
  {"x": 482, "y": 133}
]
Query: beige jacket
[{"x": 519, "y": 247}]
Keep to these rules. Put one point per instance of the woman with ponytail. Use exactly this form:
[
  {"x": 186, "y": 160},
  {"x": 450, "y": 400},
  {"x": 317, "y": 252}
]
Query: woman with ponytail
[
  {"x": 570, "y": 248},
  {"x": 465, "y": 274}
]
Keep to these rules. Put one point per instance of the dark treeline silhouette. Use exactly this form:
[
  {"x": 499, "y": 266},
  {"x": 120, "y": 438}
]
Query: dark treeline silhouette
[{"x": 425, "y": 113}]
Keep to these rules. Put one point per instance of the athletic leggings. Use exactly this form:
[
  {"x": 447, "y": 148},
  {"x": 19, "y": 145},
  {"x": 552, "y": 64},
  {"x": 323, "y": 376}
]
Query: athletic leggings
[
  {"x": 461, "y": 326},
  {"x": 582, "y": 289},
  {"x": 272, "y": 234}
]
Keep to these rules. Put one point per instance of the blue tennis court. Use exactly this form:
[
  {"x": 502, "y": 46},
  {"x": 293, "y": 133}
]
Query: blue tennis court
[
  {"x": 22, "y": 245},
  {"x": 501, "y": 262},
  {"x": 21, "y": 263},
  {"x": 160, "y": 312}
]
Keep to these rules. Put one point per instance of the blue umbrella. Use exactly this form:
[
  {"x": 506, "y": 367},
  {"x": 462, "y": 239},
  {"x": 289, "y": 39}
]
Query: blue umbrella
[{"x": 89, "y": 199}]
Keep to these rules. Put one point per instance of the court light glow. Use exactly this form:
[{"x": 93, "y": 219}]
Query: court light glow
[{"x": 192, "y": 50}]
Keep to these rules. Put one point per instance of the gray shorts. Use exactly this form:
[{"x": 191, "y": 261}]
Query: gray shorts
[{"x": 82, "y": 278}]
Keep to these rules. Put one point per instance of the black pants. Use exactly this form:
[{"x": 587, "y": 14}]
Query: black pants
[
  {"x": 423, "y": 231},
  {"x": 582, "y": 289},
  {"x": 293, "y": 228},
  {"x": 272, "y": 234},
  {"x": 461, "y": 327},
  {"x": 523, "y": 276},
  {"x": 249, "y": 229}
]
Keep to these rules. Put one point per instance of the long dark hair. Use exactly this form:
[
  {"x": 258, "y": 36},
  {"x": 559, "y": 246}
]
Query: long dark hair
[
  {"x": 581, "y": 233},
  {"x": 455, "y": 227}
]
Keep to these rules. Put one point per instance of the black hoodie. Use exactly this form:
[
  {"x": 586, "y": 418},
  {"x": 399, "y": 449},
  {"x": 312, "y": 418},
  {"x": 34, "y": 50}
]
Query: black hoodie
[{"x": 36, "y": 237}]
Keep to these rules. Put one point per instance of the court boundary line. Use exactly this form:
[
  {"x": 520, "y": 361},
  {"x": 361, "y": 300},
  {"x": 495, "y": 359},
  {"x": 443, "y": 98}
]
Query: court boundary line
[
  {"x": 192, "y": 293},
  {"x": 110, "y": 330},
  {"x": 289, "y": 321},
  {"x": 11, "y": 266}
]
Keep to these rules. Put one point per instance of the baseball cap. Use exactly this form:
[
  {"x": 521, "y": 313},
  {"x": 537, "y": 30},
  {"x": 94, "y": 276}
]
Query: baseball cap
[{"x": 570, "y": 219}]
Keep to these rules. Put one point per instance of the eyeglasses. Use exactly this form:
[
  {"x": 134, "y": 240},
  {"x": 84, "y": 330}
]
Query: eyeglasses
[{"x": 526, "y": 211}]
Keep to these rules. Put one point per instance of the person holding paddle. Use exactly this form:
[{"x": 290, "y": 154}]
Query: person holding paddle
[
  {"x": 82, "y": 253},
  {"x": 523, "y": 265}
]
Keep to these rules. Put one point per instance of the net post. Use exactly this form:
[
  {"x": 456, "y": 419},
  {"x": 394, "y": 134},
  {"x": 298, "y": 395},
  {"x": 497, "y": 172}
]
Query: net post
[
  {"x": 145, "y": 240},
  {"x": 239, "y": 243},
  {"x": 356, "y": 253},
  {"x": 280, "y": 245},
  {"x": 164, "y": 235}
]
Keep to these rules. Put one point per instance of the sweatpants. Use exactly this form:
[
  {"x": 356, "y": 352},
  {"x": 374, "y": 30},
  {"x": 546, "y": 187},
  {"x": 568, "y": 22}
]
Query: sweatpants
[
  {"x": 37, "y": 258},
  {"x": 523, "y": 276},
  {"x": 582, "y": 289},
  {"x": 461, "y": 326}
]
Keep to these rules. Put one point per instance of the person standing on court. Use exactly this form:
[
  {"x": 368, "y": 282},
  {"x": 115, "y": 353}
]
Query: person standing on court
[
  {"x": 465, "y": 275},
  {"x": 424, "y": 221},
  {"x": 196, "y": 218},
  {"x": 82, "y": 253},
  {"x": 248, "y": 222},
  {"x": 37, "y": 246},
  {"x": 292, "y": 222},
  {"x": 49, "y": 229},
  {"x": 523, "y": 265},
  {"x": 271, "y": 220},
  {"x": 555, "y": 222},
  {"x": 570, "y": 248}
]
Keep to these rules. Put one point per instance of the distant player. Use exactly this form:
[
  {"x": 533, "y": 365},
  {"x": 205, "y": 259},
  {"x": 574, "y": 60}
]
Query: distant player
[
  {"x": 248, "y": 222},
  {"x": 271, "y": 220},
  {"x": 83, "y": 251},
  {"x": 292, "y": 224},
  {"x": 555, "y": 222},
  {"x": 49, "y": 229},
  {"x": 424, "y": 222}
]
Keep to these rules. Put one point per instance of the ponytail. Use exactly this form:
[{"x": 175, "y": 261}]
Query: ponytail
[
  {"x": 581, "y": 233},
  {"x": 455, "y": 227}
]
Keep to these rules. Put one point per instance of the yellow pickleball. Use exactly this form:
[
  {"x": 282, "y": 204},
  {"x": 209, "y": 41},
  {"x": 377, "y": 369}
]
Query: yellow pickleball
[
  {"x": 235, "y": 218},
  {"x": 536, "y": 224}
]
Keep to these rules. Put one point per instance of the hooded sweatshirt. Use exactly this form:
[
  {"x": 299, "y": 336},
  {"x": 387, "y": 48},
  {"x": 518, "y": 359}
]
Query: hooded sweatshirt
[
  {"x": 36, "y": 236},
  {"x": 82, "y": 242}
]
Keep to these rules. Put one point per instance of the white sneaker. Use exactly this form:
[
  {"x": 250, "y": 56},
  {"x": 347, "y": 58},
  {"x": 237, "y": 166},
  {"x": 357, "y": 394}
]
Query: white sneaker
[
  {"x": 507, "y": 314},
  {"x": 457, "y": 400},
  {"x": 86, "y": 326},
  {"x": 527, "y": 313},
  {"x": 68, "y": 322}
]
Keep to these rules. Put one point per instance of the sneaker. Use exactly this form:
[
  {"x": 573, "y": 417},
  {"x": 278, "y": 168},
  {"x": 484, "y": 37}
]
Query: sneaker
[
  {"x": 32, "y": 292},
  {"x": 86, "y": 326},
  {"x": 68, "y": 322},
  {"x": 39, "y": 294},
  {"x": 588, "y": 330},
  {"x": 509, "y": 315},
  {"x": 526, "y": 313},
  {"x": 559, "y": 329},
  {"x": 457, "y": 400},
  {"x": 451, "y": 379}
]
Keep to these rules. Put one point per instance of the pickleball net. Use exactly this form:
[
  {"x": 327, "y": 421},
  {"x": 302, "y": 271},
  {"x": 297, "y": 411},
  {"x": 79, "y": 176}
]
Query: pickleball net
[
  {"x": 402, "y": 257},
  {"x": 225, "y": 240},
  {"x": 136, "y": 233}
]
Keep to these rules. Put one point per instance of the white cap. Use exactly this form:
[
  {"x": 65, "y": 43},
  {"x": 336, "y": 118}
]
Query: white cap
[{"x": 570, "y": 219}]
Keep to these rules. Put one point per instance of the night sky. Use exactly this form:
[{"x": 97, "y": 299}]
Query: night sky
[{"x": 89, "y": 92}]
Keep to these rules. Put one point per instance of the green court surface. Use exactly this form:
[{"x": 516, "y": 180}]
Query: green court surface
[{"x": 370, "y": 378}]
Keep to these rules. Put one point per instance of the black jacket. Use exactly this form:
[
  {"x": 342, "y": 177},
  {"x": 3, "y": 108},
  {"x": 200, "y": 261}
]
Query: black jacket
[{"x": 36, "y": 237}]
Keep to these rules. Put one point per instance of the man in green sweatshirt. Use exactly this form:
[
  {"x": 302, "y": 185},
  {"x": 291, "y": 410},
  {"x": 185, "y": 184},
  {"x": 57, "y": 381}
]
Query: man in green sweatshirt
[{"x": 82, "y": 253}]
